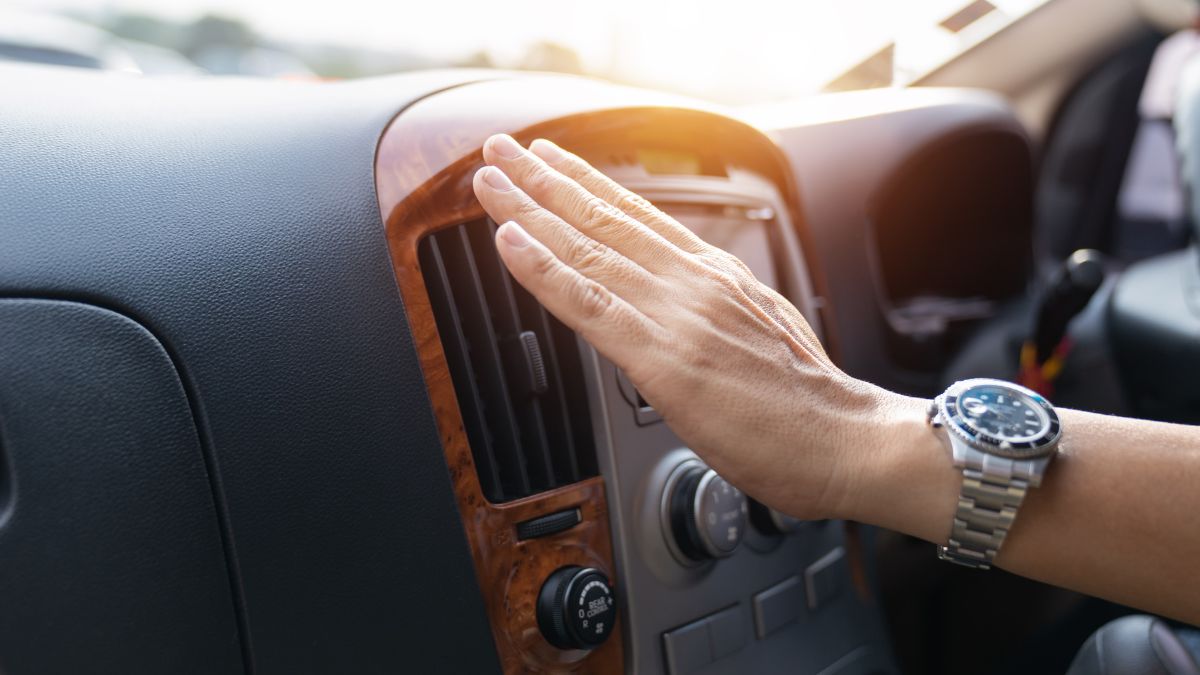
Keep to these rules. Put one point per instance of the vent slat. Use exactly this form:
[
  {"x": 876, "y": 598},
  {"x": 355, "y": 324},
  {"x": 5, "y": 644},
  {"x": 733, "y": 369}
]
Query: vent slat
[
  {"x": 498, "y": 286},
  {"x": 579, "y": 412},
  {"x": 459, "y": 361},
  {"x": 484, "y": 348},
  {"x": 527, "y": 433}
]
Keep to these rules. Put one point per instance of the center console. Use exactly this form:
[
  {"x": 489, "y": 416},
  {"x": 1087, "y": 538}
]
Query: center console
[{"x": 601, "y": 542}]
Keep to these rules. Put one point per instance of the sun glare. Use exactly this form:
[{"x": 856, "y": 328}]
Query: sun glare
[{"x": 730, "y": 51}]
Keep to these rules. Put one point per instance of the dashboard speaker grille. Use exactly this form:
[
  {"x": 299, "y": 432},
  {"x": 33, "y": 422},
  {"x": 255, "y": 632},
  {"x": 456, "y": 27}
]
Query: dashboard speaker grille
[{"x": 517, "y": 371}]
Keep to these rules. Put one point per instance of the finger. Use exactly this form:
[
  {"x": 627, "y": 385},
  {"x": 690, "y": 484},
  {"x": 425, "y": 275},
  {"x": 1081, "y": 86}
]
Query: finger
[
  {"x": 590, "y": 214},
  {"x": 614, "y": 193},
  {"x": 504, "y": 202},
  {"x": 609, "y": 323}
]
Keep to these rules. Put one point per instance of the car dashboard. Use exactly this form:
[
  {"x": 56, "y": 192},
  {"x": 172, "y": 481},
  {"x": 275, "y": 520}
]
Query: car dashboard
[{"x": 357, "y": 444}]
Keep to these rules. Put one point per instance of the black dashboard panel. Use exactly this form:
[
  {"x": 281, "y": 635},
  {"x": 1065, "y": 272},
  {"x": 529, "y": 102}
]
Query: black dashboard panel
[
  {"x": 891, "y": 180},
  {"x": 237, "y": 222},
  {"x": 109, "y": 545},
  {"x": 967, "y": 197}
]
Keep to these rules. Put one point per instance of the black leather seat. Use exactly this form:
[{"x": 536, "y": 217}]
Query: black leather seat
[{"x": 1134, "y": 645}]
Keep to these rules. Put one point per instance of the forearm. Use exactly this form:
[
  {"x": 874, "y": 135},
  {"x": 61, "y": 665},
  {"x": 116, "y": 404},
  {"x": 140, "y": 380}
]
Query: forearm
[{"x": 1117, "y": 516}]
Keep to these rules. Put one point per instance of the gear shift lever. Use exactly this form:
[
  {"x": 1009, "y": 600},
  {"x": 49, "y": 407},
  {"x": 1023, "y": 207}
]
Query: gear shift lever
[{"x": 1070, "y": 289}]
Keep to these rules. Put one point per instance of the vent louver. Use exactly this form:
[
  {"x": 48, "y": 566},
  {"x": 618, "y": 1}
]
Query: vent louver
[{"x": 516, "y": 370}]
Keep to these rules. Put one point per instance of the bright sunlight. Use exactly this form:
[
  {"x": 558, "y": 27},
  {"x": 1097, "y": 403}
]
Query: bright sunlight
[{"x": 733, "y": 52}]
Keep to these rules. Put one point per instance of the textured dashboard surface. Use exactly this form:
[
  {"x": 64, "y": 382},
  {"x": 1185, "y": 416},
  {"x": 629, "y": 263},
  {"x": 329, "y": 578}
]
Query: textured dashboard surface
[
  {"x": 109, "y": 548},
  {"x": 237, "y": 221}
]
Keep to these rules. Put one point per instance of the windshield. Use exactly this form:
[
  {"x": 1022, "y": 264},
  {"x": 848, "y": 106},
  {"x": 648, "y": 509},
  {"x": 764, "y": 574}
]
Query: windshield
[{"x": 742, "y": 51}]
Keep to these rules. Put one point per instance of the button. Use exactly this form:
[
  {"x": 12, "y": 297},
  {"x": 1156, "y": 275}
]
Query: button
[
  {"x": 688, "y": 648},
  {"x": 778, "y": 606},
  {"x": 727, "y": 631},
  {"x": 824, "y": 578},
  {"x": 544, "y": 526}
]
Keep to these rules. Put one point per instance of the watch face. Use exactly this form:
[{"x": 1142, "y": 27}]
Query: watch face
[
  {"x": 1003, "y": 413},
  {"x": 1002, "y": 418}
]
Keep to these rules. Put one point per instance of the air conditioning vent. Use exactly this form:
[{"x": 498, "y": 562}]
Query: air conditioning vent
[{"x": 517, "y": 371}]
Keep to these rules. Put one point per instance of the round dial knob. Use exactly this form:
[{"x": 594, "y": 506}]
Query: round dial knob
[
  {"x": 707, "y": 514},
  {"x": 576, "y": 608}
]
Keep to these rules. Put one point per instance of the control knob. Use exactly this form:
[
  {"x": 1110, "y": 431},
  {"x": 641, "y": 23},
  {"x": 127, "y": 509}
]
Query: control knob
[
  {"x": 576, "y": 608},
  {"x": 706, "y": 514}
]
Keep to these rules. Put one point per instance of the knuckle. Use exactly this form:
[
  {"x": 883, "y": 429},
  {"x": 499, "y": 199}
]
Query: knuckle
[
  {"x": 720, "y": 259},
  {"x": 594, "y": 300},
  {"x": 599, "y": 215},
  {"x": 722, "y": 277},
  {"x": 591, "y": 254},
  {"x": 729, "y": 267},
  {"x": 540, "y": 180},
  {"x": 544, "y": 266},
  {"x": 527, "y": 210},
  {"x": 637, "y": 201},
  {"x": 740, "y": 268}
]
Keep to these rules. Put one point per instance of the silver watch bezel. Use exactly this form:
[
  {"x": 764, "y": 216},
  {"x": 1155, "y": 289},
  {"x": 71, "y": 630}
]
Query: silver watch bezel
[{"x": 952, "y": 418}]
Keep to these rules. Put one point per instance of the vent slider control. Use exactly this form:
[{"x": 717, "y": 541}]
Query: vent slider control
[
  {"x": 544, "y": 526},
  {"x": 538, "y": 380}
]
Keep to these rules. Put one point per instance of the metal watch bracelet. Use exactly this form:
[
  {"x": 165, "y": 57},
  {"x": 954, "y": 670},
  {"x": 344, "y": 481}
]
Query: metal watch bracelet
[
  {"x": 987, "y": 506},
  {"x": 992, "y": 491}
]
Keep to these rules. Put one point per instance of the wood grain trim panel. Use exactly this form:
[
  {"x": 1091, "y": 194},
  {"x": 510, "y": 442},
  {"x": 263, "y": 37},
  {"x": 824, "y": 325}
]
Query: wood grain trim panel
[{"x": 423, "y": 175}]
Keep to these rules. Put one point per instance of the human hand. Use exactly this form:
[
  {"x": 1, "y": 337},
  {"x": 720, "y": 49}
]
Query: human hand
[{"x": 732, "y": 366}]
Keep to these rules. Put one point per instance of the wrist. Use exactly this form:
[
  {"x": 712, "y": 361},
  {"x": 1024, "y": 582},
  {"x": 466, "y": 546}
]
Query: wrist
[{"x": 905, "y": 478}]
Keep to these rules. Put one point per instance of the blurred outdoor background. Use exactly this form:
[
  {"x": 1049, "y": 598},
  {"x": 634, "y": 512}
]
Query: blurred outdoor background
[{"x": 732, "y": 51}]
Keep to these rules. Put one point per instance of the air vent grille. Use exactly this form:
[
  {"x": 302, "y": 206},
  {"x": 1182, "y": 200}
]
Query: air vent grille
[{"x": 516, "y": 370}]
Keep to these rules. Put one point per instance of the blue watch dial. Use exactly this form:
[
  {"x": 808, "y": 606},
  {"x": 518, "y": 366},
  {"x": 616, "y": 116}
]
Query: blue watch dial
[{"x": 1003, "y": 414}]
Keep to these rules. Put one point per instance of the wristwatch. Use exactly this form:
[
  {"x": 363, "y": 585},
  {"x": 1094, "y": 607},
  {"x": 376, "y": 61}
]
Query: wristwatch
[{"x": 1003, "y": 437}]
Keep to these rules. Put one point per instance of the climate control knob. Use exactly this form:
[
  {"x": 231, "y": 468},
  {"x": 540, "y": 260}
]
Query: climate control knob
[
  {"x": 706, "y": 514},
  {"x": 576, "y": 608}
]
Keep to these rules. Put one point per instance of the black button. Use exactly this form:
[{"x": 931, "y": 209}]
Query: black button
[
  {"x": 688, "y": 648},
  {"x": 778, "y": 606},
  {"x": 825, "y": 577},
  {"x": 726, "y": 630}
]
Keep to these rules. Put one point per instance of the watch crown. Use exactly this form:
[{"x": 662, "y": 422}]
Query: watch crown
[{"x": 931, "y": 413}]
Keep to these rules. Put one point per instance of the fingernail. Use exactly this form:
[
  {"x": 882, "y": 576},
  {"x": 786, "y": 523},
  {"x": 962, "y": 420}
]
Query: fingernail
[
  {"x": 505, "y": 146},
  {"x": 514, "y": 235},
  {"x": 548, "y": 151},
  {"x": 496, "y": 179}
]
